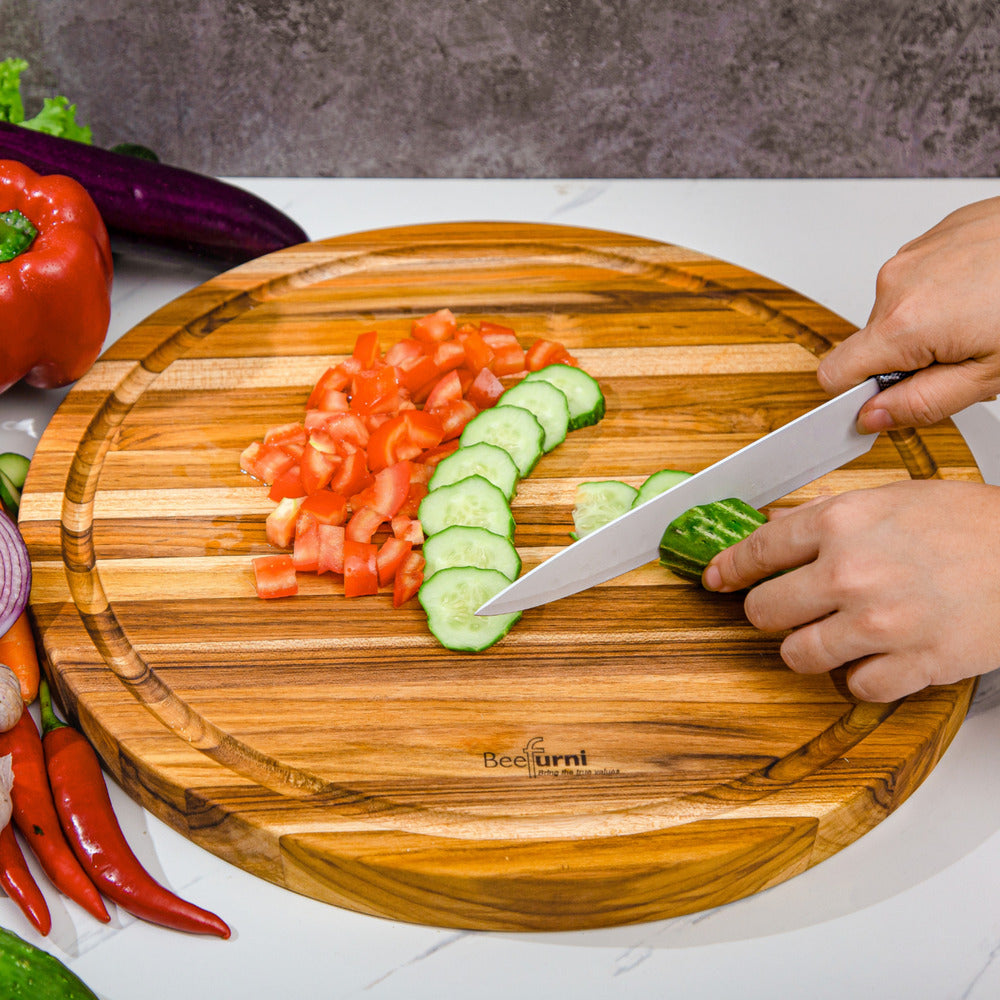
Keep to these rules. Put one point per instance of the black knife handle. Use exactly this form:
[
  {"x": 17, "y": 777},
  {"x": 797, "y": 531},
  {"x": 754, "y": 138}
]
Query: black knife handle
[{"x": 891, "y": 378}]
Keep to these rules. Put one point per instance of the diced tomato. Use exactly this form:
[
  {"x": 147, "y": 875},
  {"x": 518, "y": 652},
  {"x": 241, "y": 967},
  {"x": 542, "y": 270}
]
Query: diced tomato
[
  {"x": 408, "y": 528},
  {"x": 335, "y": 379},
  {"x": 364, "y": 522},
  {"x": 405, "y": 350},
  {"x": 280, "y": 524},
  {"x": 352, "y": 475},
  {"x": 450, "y": 354},
  {"x": 509, "y": 359},
  {"x": 285, "y": 435},
  {"x": 274, "y": 576},
  {"x": 375, "y": 390},
  {"x": 326, "y": 506},
  {"x": 454, "y": 416},
  {"x": 547, "y": 352},
  {"x": 317, "y": 467},
  {"x": 287, "y": 484},
  {"x": 338, "y": 428},
  {"x": 405, "y": 436},
  {"x": 366, "y": 349},
  {"x": 436, "y": 327},
  {"x": 305, "y": 549},
  {"x": 264, "y": 462},
  {"x": 408, "y": 578},
  {"x": 390, "y": 488},
  {"x": 360, "y": 568},
  {"x": 478, "y": 354},
  {"x": 391, "y": 554},
  {"x": 415, "y": 373},
  {"x": 446, "y": 390},
  {"x": 414, "y": 495},
  {"x": 330, "y": 552},
  {"x": 485, "y": 390},
  {"x": 432, "y": 456},
  {"x": 496, "y": 332}
]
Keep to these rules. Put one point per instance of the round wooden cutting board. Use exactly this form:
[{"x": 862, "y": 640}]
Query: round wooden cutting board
[{"x": 636, "y": 751}]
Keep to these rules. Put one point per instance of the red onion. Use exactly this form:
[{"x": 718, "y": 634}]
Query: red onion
[{"x": 15, "y": 573}]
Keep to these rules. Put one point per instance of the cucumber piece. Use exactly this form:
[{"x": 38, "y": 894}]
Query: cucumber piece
[
  {"x": 473, "y": 502},
  {"x": 659, "y": 482},
  {"x": 480, "y": 459},
  {"x": 511, "y": 428},
  {"x": 10, "y": 496},
  {"x": 14, "y": 467},
  {"x": 477, "y": 547},
  {"x": 450, "y": 599},
  {"x": 599, "y": 502},
  {"x": 29, "y": 972},
  {"x": 548, "y": 405},
  {"x": 583, "y": 394},
  {"x": 693, "y": 538}
]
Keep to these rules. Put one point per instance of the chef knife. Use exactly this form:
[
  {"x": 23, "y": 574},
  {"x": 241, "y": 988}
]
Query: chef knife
[{"x": 801, "y": 451}]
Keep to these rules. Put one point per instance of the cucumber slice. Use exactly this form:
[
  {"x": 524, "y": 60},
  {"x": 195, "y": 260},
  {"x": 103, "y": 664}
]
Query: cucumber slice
[
  {"x": 583, "y": 394},
  {"x": 14, "y": 467},
  {"x": 450, "y": 599},
  {"x": 473, "y": 502},
  {"x": 10, "y": 496},
  {"x": 511, "y": 428},
  {"x": 659, "y": 482},
  {"x": 599, "y": 502},
  {"x": 546, "y": 403},
  {"x": 480, "y": 459},
  {"x": 693, "y": 538},
  {"x": 477, "y": 547}
]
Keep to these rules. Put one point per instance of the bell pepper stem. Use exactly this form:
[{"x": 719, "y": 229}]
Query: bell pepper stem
[{"x": 17, "y": 233}]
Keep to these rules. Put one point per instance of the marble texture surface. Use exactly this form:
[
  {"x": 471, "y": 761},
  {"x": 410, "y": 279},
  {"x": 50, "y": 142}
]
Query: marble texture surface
[
  {"x": 529, "y": 88},
  {"x": 909, "y": 910}
]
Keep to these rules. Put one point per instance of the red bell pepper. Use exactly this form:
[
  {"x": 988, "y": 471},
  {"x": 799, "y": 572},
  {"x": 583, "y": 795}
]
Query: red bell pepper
[{"x": 55, "y": 292}]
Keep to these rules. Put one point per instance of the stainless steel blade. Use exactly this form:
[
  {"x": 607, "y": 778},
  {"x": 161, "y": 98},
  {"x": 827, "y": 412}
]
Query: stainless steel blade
[{"x": 772, "y": 467}]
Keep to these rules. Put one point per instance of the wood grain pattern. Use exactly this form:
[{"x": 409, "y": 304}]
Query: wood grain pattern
[{"x": 634, "y": 752}]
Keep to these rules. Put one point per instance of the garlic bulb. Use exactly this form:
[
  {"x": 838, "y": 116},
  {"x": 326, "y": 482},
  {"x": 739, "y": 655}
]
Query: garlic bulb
[{"x": 11, "y": 704}]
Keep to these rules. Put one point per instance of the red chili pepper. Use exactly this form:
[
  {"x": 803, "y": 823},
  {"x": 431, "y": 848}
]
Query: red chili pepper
[
  {"x": 35, "y": 816},
  {"x": 19, "y": 883},
  {"x": 89, "y": 821}
]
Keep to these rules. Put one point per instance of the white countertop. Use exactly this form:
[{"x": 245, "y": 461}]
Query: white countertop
[{"x": 907, "y": 911}]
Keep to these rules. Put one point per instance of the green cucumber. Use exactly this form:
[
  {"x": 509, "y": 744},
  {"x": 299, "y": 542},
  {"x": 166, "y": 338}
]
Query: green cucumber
[
  {"x": 659, "y": 482},
  {"x": 509, "y": 427},
  {"x": 547, "y": 403},
  {"x": 700, "y": 533},
  {"x": 583, "y": 394},
  {"x": 28, "y": 972},
  {"x": 450, "y": 599},
  {"x": 480, "y": 459},
  {"x": 473, "y": 502},
  {"x": 463, "y": 546},
  {"x": 13, "y": 472},
  {"x": 599, "y": 502}
]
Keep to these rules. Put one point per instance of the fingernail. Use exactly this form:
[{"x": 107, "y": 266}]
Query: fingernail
[
  {"x": 874, "y": 421},
  {"x": 712, "y": 578}
]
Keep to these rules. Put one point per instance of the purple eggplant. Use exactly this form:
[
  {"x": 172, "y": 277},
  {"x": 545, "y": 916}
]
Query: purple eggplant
[{"x": 151, "y": 207}]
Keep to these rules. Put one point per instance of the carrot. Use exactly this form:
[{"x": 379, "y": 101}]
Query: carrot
[{"x": 17, "y": 651}]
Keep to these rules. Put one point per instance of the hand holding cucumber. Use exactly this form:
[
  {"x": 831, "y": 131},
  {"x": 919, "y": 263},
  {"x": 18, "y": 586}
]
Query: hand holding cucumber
[{"x": 900, "y": 584}]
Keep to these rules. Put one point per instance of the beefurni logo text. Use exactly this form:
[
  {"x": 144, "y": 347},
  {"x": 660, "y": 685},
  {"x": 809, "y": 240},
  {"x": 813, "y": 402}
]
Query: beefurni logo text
[{"x": 535, "y": 759}]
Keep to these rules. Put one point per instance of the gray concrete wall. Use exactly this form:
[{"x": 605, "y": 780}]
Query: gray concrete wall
[{"x": 529, "y": 88}]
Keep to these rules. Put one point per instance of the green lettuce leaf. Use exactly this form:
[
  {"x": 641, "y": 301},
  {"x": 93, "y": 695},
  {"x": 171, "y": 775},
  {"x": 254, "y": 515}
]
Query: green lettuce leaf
[{"x": 57, "y": 117}]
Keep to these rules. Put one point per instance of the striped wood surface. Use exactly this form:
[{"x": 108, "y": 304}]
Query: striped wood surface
[{"x": 634, "y": 752}]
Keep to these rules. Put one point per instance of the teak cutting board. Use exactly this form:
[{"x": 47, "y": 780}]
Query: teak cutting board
[{"x": 634, "y": 752}]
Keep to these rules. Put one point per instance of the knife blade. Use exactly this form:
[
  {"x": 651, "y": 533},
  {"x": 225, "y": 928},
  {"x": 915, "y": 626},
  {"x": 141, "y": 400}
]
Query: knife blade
[{"x": 775, "y": 465}]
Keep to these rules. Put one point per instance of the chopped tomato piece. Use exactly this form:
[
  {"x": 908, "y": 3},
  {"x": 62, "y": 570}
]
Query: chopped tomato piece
[
  {"x": 352, "y": 475},
  {"x": 446, "y": 390},
  {"x": 432, "y": 456},
  {"x": 330, "y": 553},
  {"x": 547, "y": 352},
  {"x": 364, "y": 522},
  {"x": 280, "y": 524},
  {"x": 496, "y": 332},
  {"x": 286, "y": 434},
  {"x": 454, "y": 416},
  {"x": 391, "y": 554},
  {"x": 338, "y": 428},
  {"x": 414, "y": 495},
  {"x": 305, "y": 550},
  {"x": 485, "y": 390},
  {"x": 408, "y": 528},
  {"x": 478, "y": 354},
  {"x": 264, "y": 461},
  {"x": 403, "y": 437},
  {"x": 391, "y": 486},
  {"x": 436, "y": 327},
  {"x": 274, "y": 576},
  {"x": 287, "y": 484},
  {"x": 509, "y": 359},
  {"x": 360, "y": 568},
  {"x": 415, "y": 373},
  {"x": 450, "y": 354},
  {"x": 366, "y": 349},
  {"x": 326, "y": 506},
  {"x": 375, "y": 390},
  {"x": 317, "y": 467},
  {"x": 405, "y": 350},
  {"x": 335, "y": 379},
  {"x": 408, "y": 578}
]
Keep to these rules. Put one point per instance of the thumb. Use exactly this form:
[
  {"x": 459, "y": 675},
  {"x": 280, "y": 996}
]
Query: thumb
[{"x": 925, "y": 398}]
